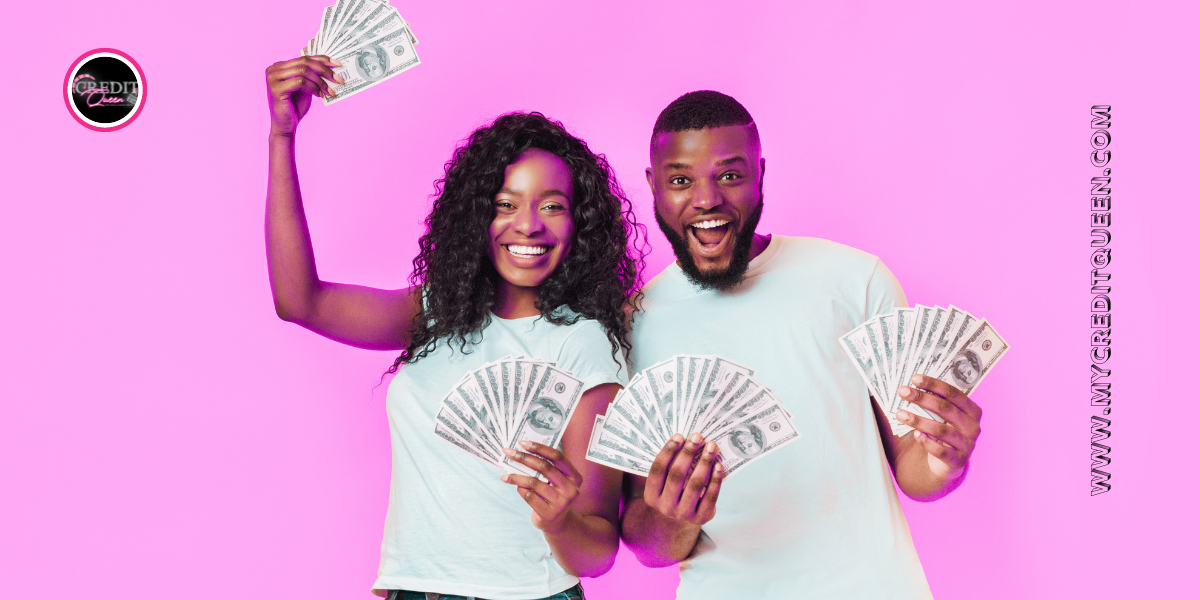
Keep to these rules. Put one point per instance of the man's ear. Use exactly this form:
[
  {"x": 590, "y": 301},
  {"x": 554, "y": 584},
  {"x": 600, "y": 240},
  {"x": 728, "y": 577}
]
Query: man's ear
[
  {"x": 650, "y": 179},
  {"x": 762, "y": 175}
]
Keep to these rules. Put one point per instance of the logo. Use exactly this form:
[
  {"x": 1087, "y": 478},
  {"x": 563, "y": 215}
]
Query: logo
[
  {"x": 987, "y": 345},
  {"x": 105, "y": 89},
  {"x": 560, "y": 387}
]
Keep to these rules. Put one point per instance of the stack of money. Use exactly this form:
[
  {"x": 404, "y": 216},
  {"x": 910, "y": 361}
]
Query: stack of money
[
  {"x": 371, "y": 40},
  {"x": 504, "y": 402},
  {"x": 948, "y": 344},
  {"x": 687, "y": 394}
]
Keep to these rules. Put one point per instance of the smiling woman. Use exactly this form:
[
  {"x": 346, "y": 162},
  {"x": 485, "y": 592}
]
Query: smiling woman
[{"x": 529, "y": 250}]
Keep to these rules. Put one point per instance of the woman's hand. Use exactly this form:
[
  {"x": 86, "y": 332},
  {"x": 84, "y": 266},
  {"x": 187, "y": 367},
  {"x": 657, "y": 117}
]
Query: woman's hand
[
  {"x": 291, "y": 84},
  {"x": 551, "y": 499}
]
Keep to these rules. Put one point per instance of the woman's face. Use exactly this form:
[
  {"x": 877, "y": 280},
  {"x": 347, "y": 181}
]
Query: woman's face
[{"x": 532, "y": 229}]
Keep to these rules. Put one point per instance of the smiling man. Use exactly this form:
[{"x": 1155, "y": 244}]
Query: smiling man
[{"x": 819, "y": 518}]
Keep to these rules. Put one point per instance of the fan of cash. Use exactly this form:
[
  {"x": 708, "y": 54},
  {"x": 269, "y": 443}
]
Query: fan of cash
[
  {"x": 686, "y": 394},
  {"x": 948, "y": 344},
  {"x": 371, "y": 40},
  {"x": 504, "y": 402}
]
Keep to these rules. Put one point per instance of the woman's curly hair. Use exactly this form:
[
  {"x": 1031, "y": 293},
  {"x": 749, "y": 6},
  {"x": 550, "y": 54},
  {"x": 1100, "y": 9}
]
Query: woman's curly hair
[{"x": 596, "y": 279}]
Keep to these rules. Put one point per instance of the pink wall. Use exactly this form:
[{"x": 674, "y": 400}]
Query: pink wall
[{"x": 162, "y": 431}]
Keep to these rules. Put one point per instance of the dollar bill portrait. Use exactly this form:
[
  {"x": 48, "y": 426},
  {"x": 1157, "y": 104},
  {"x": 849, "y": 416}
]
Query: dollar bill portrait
[
  {"x": 546, "y": 416},
  {"x": 967, "y": 367},
  {"x": 746, "y": 441},
  {"x": 372, "y": 62}
]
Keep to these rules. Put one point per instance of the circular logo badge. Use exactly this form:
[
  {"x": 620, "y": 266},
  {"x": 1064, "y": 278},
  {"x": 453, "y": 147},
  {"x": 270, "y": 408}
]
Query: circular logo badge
[
  {"x": 776, "y": 426},
  {"x": 105, "y": 89},
  {"x": 987, "y": 345},
  {"x": 668, "y": 377},
  {"x": 559, "y": 388}
]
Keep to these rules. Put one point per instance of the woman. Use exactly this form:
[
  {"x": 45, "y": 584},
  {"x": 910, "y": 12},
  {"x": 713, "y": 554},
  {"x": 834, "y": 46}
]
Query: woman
[{"x": 528, "y": 251}]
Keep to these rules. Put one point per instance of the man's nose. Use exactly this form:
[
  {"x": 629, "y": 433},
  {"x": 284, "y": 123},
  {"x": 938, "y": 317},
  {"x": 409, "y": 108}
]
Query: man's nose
[{"x": 706, "y": 195}]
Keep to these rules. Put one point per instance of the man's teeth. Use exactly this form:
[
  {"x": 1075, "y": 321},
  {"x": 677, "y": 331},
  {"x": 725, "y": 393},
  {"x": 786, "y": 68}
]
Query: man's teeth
[
  {"x": 710, "y": 223},
  {"x": 527, "y": 250}
]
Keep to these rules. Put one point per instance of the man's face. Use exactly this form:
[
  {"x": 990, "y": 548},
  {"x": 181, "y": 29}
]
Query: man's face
[{"x": 707, "y": 186}]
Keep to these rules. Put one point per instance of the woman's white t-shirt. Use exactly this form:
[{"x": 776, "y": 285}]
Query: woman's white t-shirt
[{"x": 452, "y": 526}]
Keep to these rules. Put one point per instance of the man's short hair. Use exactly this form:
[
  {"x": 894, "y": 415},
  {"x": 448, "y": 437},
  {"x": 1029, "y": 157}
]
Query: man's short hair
[{"x": 702, "y": 109}]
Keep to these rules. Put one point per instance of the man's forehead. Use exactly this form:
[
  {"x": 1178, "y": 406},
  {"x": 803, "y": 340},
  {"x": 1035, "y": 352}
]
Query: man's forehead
[{"x": 704, "y": 146}]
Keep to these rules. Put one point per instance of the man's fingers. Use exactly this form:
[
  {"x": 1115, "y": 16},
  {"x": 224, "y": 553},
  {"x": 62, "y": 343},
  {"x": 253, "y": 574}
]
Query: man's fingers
[
  {"x": 950, "y": 393},
  {"x": 532, "y": 484},
  {"x": 940, "y": 432},
  {"x": 708, "y": 505},
  {"x": 952, "y": 458},
  {"x": 656, "y": 478},
  {"x": 693, "y": 491},
  {"x": 933, "y": 403},
  {"x": 681, "y": 467}
]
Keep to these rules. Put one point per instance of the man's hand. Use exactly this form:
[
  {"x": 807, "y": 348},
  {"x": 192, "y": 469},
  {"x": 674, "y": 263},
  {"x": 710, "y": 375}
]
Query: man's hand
[
  {"x": 551, "y": 499},
  {"x": 949, "y": 445},
  {"x": 685, "y": 480}
]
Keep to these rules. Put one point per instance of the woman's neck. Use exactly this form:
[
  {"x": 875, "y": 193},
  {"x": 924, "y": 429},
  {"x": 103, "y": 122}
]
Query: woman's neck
[{"x": 515, "y": 302}]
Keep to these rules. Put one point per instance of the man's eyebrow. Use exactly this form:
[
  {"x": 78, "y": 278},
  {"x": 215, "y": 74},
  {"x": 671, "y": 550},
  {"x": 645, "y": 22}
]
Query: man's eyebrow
[
  {"x": 679, "y": 166},
  {"x": 730, "y": 161}
]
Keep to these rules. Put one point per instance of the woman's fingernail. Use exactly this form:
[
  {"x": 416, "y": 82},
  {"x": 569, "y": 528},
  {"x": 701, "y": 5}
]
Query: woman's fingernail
[
  {"x": 508, "y": 452},
  {"x": 504, "y": 478},
  {"x": 525, "y": 444},
  {"x": 336, "y": 63},
  {"x": 903, "y": 415},
  {"x": 918, "y": 379},
  {"x": 904, "y": 391}
]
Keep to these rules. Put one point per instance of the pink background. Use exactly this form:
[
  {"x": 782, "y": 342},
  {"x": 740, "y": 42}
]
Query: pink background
[{"x": 163, "y": 434}]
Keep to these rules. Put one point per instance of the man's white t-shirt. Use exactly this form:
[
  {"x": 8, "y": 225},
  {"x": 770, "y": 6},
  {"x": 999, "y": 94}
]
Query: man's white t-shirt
[
  {"x": 818, "y": 518},
  {"x": 452, "y": 526}
]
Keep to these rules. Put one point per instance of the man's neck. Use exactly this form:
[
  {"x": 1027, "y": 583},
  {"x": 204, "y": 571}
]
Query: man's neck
[{"x": 759, "y": 244}]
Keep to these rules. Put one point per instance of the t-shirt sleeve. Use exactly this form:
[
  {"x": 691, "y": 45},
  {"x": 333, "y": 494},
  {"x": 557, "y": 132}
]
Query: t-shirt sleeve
[
  {"x": 884, "y": 293},
  {"x": 587, "y": 353}
]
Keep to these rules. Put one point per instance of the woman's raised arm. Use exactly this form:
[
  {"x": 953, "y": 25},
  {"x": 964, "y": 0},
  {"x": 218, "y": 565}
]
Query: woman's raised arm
[{"x": 359, "y": 316}]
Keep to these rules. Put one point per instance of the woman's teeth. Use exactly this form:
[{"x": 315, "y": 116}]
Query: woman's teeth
[
  {"x": 710, "y": 223},
  {"x": 527, "y": 250}
]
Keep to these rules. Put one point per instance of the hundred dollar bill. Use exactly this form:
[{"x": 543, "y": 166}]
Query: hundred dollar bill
[
  {"x": 922, "y": 353},
  {"x": 718, "y": 378},
  {"x": 608, "y": 456},
  {"x": 387, "y": 22},
  {"x": 450, "y": 423},
  {"x": 487, "y": 384},
  {"x": 661, "y": 377},
  {"x": 698, "y": 370},
  {"x": 440, "y": 430},
  {"x": 757, "y": 403},
  {"x": 742, "y": 391},
  {"x": 920, "y": 325},
  {"x": 469, "y": 391},
  {"x": 623, "y": 430},
  {"x": 858, "y": 346},
  {"x": 971, "y": 362},
  {"x": 454, "y": 407},
  {"x": 643, "y": 397},
  {"x": 626, "y": 407},
  {"x": 373, "y": 63},
  {"x": 755, "y": 437},
  {"x": 961, "y": 328},
  {"x": 887, "y": 351},
  {"x": 548, "y": 411}
]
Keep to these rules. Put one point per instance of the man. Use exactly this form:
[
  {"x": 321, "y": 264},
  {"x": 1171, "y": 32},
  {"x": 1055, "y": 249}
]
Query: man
[{"x": 820, "y": 517}]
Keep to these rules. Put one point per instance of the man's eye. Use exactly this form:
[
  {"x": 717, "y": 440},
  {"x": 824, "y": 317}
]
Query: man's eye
[
  {"x": 678, "y": 180},
  {"x": 730, "y": 176}
]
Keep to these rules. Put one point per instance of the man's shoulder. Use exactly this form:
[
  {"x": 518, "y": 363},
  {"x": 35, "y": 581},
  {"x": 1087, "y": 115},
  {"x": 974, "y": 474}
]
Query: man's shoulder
[{"x": 795, "y": 250}]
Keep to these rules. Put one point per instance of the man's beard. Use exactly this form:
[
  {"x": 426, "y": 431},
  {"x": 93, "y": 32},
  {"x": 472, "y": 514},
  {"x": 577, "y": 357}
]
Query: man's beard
[{"x": 724, "y": 279}]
